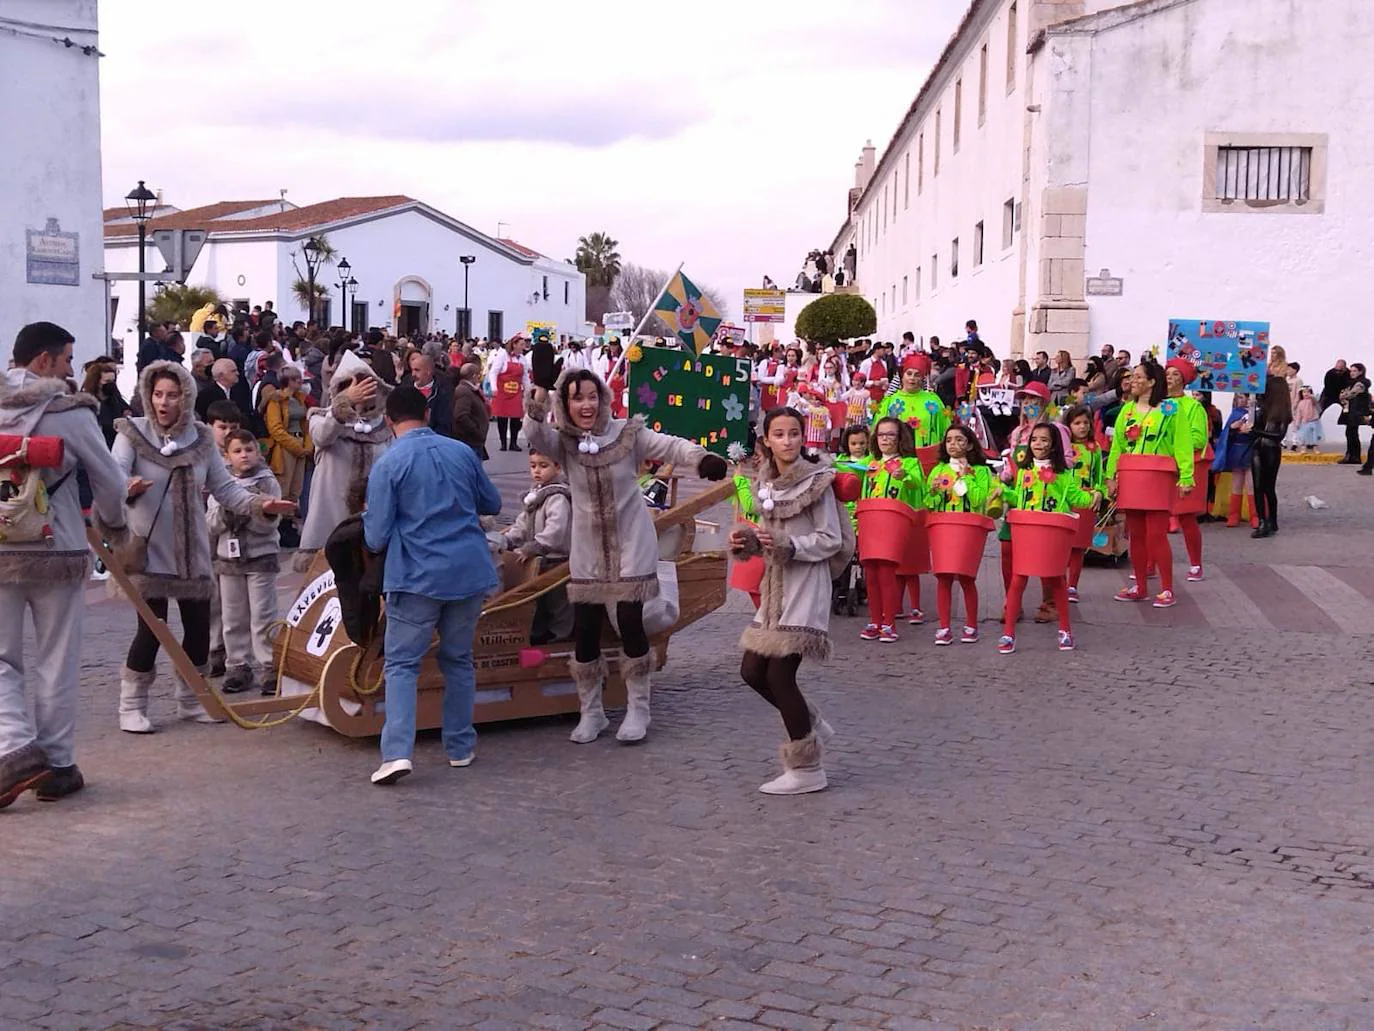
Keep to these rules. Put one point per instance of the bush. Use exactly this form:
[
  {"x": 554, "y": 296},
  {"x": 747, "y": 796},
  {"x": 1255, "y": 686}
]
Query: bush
[{"x": 835, "y": 317}]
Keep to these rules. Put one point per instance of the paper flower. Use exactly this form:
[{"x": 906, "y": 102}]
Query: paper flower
[
  {"x": 735, "y": 452},
  {"x": 1169, "y": 406},
  {"x": 896, "y": 408},
  {"x": 1133, "y": 432},
  {"x": 646, "y": 395},
  {"x": 914, "y": 422},
  {"x": 933, "y": 407},
  {"x": 733, "y": 409},
  {"x": 943, "y": 482},
  {"x": 1046, "y": 474},
  {"x": 634, "y": 353}
]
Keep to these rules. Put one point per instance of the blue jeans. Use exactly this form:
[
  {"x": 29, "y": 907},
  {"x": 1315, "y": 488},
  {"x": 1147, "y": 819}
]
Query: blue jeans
[{"x": 411, "y": 620}]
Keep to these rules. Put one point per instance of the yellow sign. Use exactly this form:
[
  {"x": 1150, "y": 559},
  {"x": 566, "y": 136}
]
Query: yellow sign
[{"x": 765, "y": 306}]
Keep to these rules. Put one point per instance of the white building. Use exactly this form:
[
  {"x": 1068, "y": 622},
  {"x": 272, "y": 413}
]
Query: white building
[
  {"x": 50, "y": 172},
  {"x": 403, "y": 254},
  {"x": 1209, "y": 153}
]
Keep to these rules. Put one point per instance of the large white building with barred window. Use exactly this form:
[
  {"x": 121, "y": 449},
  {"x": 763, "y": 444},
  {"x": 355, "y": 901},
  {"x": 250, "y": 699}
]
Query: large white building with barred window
[{"x": 1077, "y": 172}]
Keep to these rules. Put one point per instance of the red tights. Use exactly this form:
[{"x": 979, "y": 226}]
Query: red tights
[
  {"x": 1007, "y": 574},
  {"x": 1192, "y": 538},
  {"x": 1052, "y": 587},
  {"x": 944, "y": 598},
  {"x": 909, "y": 587},
  {"x": 1149, "y": 533},
  {"x": 1075, "y": 566},
  {"x": 883, "y": 592}
]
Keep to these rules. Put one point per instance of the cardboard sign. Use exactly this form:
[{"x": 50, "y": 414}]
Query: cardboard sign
[
  {"x": 704, "y": 398},
  {"x": 1231, "y": 357}
]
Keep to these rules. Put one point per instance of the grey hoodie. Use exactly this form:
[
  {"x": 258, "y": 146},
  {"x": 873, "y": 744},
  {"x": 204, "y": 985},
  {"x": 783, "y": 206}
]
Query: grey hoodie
[
  {"x": 256, "y": 534},
  {"x": 34, "y": 406}
]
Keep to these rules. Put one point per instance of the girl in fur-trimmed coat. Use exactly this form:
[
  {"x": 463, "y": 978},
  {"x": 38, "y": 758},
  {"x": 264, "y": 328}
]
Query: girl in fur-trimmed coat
[
  {"x": 172, "y": 461},
  {"x": 801, "y": 529},
  {"x": 614, "y": 553},
  {"x": 349, "y": 436}
]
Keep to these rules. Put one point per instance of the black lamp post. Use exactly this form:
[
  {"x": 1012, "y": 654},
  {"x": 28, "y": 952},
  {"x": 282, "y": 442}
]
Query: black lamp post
[
  {"x": 353, "y": 288},
  {"x": 314, "y": 258},
  {"x": 342, "y": 268},
  {"x": 467, "y": 260},
  {"x": 140, "y": 201}
]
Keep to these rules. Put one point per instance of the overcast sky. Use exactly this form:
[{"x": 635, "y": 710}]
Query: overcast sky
[{"x": 720, "y": 133}]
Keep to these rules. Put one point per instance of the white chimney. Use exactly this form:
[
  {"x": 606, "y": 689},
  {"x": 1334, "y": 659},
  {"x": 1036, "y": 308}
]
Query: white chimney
[{"x": 863, "y": 171}]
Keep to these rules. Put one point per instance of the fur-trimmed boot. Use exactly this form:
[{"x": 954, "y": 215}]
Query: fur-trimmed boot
[
  {"x": 801, "y": 766},
  {"x": 636, "y": 673},
  {"x": 188, "y": 705},
  {"x": 133, "y": 701},
  {"x": 819, "y": 724},
  {"x": 590, "y": 678}
]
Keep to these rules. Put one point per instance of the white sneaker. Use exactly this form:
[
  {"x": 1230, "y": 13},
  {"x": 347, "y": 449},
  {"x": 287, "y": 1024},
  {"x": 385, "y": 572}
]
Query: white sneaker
[
  {"x": 796, "y": 782},
  {"x": 391, "y": 772},
  {"x": 467, "y": 760}
]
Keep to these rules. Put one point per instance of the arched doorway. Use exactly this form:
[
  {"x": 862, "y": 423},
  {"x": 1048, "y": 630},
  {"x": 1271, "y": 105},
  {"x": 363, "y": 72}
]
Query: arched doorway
[{"x": 413, "y": 300}]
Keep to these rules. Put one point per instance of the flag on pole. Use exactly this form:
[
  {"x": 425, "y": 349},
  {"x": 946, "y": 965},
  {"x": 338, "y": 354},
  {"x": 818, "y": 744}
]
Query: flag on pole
[{"x": 690, "y": 315}]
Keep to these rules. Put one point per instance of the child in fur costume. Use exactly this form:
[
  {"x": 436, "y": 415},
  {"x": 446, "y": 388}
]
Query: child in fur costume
[
  {"x": 543, "y": 531},
  {"x": 348, "y": 436},
  {"x": 170, "y": 458},
  {"x": 802, "y": 534},
  {"x": 614, "y": 554}
]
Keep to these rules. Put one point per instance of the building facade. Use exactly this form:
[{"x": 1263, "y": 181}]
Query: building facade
[
  {"x": 50, "y": 174},
  {"x": 404, "y": 255},
  {"x": 1076, "y": 173}
]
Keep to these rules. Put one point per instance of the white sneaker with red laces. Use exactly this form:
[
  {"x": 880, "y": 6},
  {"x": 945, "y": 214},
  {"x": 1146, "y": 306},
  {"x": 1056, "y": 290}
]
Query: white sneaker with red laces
[
  {"x": 1195, "y": 575},
  {"x": 1165, "y": 600}
]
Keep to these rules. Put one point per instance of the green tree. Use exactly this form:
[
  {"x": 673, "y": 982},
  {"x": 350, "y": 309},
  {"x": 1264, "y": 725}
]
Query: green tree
[
  {"x": 301, "y": 287},
  {"x": 177, "y": 302},
  {"x": 835, "y": 317},
  {"x": 598, "y": 259}
]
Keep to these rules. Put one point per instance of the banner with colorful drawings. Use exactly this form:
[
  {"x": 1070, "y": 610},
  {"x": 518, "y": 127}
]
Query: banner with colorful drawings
[
  {"x": 1231, "y": 357},
  {"x": 704, "y": 398}
]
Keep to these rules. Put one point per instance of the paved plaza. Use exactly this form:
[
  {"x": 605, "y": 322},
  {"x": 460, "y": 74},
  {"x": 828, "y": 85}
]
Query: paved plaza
[{"x": 1169, "y": 828}]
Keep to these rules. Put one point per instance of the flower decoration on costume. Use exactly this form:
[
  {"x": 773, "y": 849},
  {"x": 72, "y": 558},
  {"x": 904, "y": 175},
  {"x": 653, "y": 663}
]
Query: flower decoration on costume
[
  {"x": 914, "y": 422},
  {"x": 646, "y": 395},
  {"x": 965, "y": 412},
  {"x": 896, "y": 408},
  {"x": 961, "y": 487},
  {"x": 733, "y": 409},
  {"x": 735, "y": 452},
  {"x": 893, "y": 466},
  {"x": 634, "y": 353},
  {"x": 943, "y": 482},
  {"x": 933, "y": 407},
  {"x": 1133, "y": 432},
  {"x": 1169, "y": 406},
  {"x": 1046, "y": 474},
  {"x": 1019, "y": 454}
]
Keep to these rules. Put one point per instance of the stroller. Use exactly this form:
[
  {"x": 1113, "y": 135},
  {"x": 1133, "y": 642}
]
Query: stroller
[{"x": 848, "y": 593}]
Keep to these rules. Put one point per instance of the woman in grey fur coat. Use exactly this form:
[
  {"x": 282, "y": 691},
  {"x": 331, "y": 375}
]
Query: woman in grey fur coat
[
  {"x": 172, "y": 463},
  {"x": 614, "y": 554},
  {"x": 801, "y": 529}
]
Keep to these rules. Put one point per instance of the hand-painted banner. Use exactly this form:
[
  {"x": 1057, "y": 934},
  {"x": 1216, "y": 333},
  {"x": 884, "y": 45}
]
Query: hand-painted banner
[
  {"x": 704, "y": 398},
  {"x": 1231, "y": 357}
]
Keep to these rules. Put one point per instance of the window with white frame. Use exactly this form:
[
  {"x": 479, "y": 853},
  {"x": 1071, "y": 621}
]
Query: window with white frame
[
  {"x": 977, "y": 244},
  {"x": 954, "y": 258},
  {"x": 1008, "y": 222},
  {"x": 905, "y": 299},
  {"x": 1264, "y": 172}
]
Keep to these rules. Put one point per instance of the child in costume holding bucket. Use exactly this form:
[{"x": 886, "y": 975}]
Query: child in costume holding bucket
[
  {"x": 1033, "y": 400},
  {"x": 894, "y": 475},
  {"x": 1043, "y": 483},
  {"x": 1150, "y": 425},
  {"x": 802, "y": 534},
  {"x": 1178, "y": 373},
  {"x": 746, "y": 573},
  {"x": 961, "y": 483},
  {"x": 1089, "y": 468}
]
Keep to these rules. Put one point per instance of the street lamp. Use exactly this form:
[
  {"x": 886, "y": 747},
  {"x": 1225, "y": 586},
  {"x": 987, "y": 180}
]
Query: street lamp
[
  {"x": 353, "y": 288},
  {"x": 467, "y": 260},
  {"x": 342, "y": 268},
  {"x": 139, "y": 200},
  {"x": 314, "y": 258}
]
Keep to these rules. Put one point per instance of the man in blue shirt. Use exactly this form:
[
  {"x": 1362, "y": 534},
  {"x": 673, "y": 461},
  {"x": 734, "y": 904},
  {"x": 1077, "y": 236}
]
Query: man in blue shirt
[{"x": 423, "y": 499}]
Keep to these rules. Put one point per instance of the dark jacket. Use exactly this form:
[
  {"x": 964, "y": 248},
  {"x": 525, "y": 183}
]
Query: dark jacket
[
  {"x": 1333, "y": 383},
  {"x": 151, "y": 351},
  {"x": 470, "y": 417},
  {"x": 440, "y": 405},
  {"x": 207, "y": 393}
]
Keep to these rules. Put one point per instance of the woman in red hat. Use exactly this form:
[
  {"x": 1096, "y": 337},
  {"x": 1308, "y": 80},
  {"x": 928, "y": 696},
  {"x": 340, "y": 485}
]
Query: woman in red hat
[
  {"x": 916, "y": 406},
  {"x": 1178, "y": 373}
]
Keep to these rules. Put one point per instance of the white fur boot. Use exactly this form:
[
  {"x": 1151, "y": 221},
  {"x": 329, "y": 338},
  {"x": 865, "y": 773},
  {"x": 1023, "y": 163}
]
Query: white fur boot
[
  {"x": 590, "y": 678},
  {"x": 636, "y": 673},
  {"x": 133, "y": 701},
  {"x": 802, "y": 770},
  {"x": 824, "y": 731},
  {"x": 188, "y": 705}
]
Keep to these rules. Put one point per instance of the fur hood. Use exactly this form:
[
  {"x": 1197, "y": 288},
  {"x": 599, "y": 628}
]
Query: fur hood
[
  {"x": 349, "y": 369},
  {"x": 797, "y": 488},
  {"x": 562, "y": 421},
  {"x": 26, "y": 398},
  {"x": 188, "y": 396}
]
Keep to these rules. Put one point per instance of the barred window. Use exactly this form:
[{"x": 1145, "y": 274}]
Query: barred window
[{"x": 1276, "y": 174}]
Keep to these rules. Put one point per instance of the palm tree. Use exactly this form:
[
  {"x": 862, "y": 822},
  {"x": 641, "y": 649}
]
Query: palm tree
[
  {"x": 301, "y": 290},
  {"x": 177, "y": 303},
  {"x": 598, "y": 259},
  {"x": 301, "y": 287}
]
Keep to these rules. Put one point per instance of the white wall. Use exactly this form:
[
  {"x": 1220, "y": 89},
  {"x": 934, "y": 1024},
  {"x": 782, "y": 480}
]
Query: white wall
[
  {"x": 50, "y": 128},
  {"x": 1159, "y": 84},
  {"x": 972, "y": 186}
]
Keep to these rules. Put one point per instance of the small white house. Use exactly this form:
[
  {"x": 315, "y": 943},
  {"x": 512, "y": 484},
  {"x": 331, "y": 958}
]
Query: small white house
[
  {"x": 404, "y": 255},
  {"x": 50, "y": 172}
]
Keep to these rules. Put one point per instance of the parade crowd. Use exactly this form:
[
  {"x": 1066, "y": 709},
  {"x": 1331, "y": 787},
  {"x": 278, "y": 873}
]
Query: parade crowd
[{"x": 280, "y": 437}]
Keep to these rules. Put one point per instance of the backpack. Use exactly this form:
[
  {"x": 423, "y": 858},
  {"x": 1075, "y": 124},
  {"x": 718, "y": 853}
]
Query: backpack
[{"x": 24, "y": 497}]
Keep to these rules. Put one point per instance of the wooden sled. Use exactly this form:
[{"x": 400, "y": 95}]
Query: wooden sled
[{"x": 324, "y": 676}]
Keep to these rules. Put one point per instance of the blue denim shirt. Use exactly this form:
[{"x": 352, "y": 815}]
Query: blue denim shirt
[{"x": 423, "y": 499}]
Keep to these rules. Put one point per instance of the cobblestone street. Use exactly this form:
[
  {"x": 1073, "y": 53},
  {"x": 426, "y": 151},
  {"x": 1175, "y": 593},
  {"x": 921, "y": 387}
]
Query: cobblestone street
[{"x": 1168, "y": 828}]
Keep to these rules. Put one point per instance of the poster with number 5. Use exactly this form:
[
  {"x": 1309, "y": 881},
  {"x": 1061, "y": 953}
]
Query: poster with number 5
[{"x": 1231, "y": 357}]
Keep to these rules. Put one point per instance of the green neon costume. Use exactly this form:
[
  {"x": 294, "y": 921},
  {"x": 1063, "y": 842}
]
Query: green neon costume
[
  {"x": 898, "y": 479},
  {"x": 1159, "y": 431},
  {"x": 983, "y": 496},
  {"x": 923, "y": 411}
]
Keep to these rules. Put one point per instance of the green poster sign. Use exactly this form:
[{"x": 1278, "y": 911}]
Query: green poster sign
[{"x": 704, "y": 398}]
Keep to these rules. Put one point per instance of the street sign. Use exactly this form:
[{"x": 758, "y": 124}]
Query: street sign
[
  {"x": 765, "y": 306},
  {"x": 52, "y": 256},
  {"x": 618, "y": 320},
  {"x": 180, "y": 248},
  {"x": 1104, "y": 284}
]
